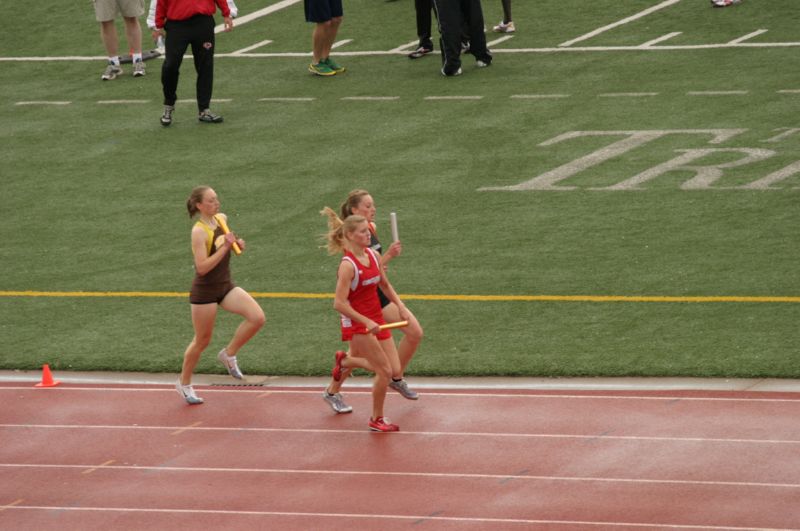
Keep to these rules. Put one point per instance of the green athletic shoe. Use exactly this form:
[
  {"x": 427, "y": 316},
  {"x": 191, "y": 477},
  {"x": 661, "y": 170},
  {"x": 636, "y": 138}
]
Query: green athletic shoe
[
  {"x": 333, "y": 65},
  {"x": 321, "y": 69}
]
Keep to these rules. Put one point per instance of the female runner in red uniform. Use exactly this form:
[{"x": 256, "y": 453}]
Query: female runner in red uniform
[
  {"x": 212, "y": 286},
  {"x": 360, "y": 202},
  {"x": 356, "y": 299}
]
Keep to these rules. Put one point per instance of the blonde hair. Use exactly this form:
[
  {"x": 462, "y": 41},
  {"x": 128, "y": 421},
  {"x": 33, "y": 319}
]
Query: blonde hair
[
  {"x": 338, "y": 229},
  {"x": 352, "y": 201},
  {"x": 195, "y": 197}
]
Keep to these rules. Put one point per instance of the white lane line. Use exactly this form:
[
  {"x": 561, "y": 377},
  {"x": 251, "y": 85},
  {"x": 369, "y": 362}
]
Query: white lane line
[
  {"x": 618, "y": 23},
  {"x": 538, "y": 96},
  {"x": 252, "y": 47},
  {"x": 287, "y": 99},
  {"x": 450, "y": 434},
  {"x": 43, "y": 103},
  {"x": 627, "y": 94},
  {"x": 371, "y": 516},
  {"x": 121, "y": 102},
  {"x": 717, "y": 92},
  {"x": 339, "y": 44},
  {"x": 370, "y": 98},
  {"x": 747, "y": 37},
  {"x": 501, "y": 39},
  {"x": 258, "y": 14},
  {"x": 405, "y": 47},
  {"x": 448, "y": 475},
  {"x": 365, "y": 386},
  {"x": 660, "y": 39},
  {"x": 452, "y": 98}
]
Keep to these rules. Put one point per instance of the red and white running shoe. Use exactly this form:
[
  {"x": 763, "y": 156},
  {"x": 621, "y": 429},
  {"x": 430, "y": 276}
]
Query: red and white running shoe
[{"x": 382, "y": 424}]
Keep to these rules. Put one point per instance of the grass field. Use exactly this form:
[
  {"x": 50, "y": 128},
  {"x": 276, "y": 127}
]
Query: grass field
[{"x": 513, "y": 192}]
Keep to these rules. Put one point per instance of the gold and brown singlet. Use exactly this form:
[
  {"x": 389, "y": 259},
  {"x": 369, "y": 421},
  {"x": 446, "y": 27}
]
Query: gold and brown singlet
[{"x": 212, "y": 287}]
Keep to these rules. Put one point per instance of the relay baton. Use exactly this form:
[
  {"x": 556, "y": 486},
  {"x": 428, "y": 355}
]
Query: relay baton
[
  {"x": 389, "y": 326},
  {"x": 226, "y": 230},
  {"x": 393, "y": 223}
]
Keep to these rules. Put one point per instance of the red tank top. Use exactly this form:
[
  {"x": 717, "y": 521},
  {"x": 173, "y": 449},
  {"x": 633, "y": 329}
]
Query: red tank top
[{"x": 363, "y": 296}]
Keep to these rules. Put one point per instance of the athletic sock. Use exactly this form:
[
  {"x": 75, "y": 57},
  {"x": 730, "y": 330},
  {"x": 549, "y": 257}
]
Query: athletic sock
[
  {"x": 137, "y": 57},
  {"x": 114, "y": 60}
]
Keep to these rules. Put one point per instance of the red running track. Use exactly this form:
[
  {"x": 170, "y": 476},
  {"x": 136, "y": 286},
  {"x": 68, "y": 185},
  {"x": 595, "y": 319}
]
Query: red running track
[{"x": 136, "y": 457}]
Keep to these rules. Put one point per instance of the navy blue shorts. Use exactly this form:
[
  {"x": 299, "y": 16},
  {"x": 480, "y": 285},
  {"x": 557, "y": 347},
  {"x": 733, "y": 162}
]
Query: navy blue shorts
[{"x": 322, "y": 10}]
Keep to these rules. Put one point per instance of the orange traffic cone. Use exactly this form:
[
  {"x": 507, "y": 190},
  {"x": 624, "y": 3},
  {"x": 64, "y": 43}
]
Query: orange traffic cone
[{"x": 47, "y": 378}]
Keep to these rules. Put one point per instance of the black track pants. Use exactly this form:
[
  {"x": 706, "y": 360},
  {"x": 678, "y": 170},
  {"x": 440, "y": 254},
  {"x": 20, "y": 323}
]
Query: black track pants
[
  {"x": 197, "y": 32},
  {"x": 454, "y": 16}
]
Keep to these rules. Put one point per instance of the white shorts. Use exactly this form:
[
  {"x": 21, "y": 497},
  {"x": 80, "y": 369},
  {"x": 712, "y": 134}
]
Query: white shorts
[{"x": 106, "y": 10}]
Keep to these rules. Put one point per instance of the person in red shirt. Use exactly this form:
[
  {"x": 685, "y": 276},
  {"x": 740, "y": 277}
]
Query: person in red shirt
[
  {"x": 356, "y": 299},
  {"x": 189, "y": 22}
]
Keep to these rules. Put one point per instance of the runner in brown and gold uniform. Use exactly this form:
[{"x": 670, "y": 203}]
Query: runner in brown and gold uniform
[{"x": 212, "y": 287}]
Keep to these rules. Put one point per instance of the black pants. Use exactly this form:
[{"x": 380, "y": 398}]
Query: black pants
[
  {"x": 454, "y": 16},
  {"x": 198, "y": 32},
  {"x": 424, "y": 21}
]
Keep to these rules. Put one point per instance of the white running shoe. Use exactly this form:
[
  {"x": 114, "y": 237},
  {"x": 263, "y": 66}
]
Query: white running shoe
[
  {"x": 402, "y": 388},
  {"x": 138, "y": 68},
  {"x": 230, "y": 363},
  {"x": 336, "y": 402},
  {"x": 502, "y": 27},
  {"x": 111, "y": 72},
  {"x": 187, "y": 392}
]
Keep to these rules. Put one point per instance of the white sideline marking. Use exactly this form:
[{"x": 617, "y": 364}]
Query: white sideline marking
[
  {"x": 43, "y": 103},
  {"x": 366, "y": 516},
  {"x": 789, "y": 91},
  {"x": 450, "y": 475},
  {"x": 405, "y": 48},
  {"x": 537, "y": 96},
  {"x": 252, "y": 47},
  {"x": 448, "y": 434},
  {"x": 258, "y": 14},
  {"x": 366, "y": 386},
  {"x": 747, "y": 37},
  {"x": 501, "y": 39},
  {"x": 631, "y": 18},
  {"x": 341, "y": 43},
  {"x": 660, "y": 39},
  {"x": 435, "y": 98},
  {"x": 576, "y": 49},
  {"x": 213, "y": 100},
  {"x": 627, "y": 94},
  {"x": 286, "y": 99},
  {"x": 717, "y": 92},
  {"x": 370, "y": 98},
  {"x": 118, "y": 102}
]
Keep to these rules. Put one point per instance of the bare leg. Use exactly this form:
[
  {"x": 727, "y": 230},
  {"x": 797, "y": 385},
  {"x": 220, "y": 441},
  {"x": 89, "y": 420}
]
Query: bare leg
[
  {"x": 240, "y": 302},
  {"x": 412, "y": 335},
  {"x": 133, "y": 32},
  {"x": 108, "y": 32},
  {"x": 203, "y": 316},
  {"x": 368, "y": 347}
]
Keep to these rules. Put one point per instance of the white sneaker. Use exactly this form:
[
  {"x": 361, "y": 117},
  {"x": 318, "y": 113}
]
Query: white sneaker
[
  {"x": 111, "y": 72},
  {"x": 138, "y": 69},
  {"x": 187, "y": 392},
  {"x": 230, "y": 363},
  {"x": 336, "y": 402},
  {"x": 502, "y": 27}
]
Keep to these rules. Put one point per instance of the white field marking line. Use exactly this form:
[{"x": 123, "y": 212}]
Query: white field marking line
[
  {"x": 583, "y": 49},
  {"x": 789, "y": 91},
  {"x": 190, "y": 426},
  {"x": 498, "y": 41},
  {"x": 341, "y": 43},
  {"x": 747, "y": 37},
  {"x": 456, "y": 394},
  {"x": 618, "y": 23},
  {"x": 627, "y": 94},
  {"x": 537, "y": 96},
  {"x": 389, "y": 517},
  {"x": 213, "y": 100},
  {"x": 445, "y": 475},
  {"x": 450, "y": 434},
  {"x": 120, "y": 102},
  {"x": 286, "y": 99},
  {"x": 452, "y": 98},
  {"x": 370, "y": 98},
  {"x": 717, "y": 92},
  {"x": 660, "y": 39},
  {"x": 43, "y": 103},
  {"x": 12, "y": 504},
  {"x": 93, "y": 468},
  {"x": 405, "y": 48},
  {"x": 252, "y": 47},
  {"x": 257, "y": 14}
]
